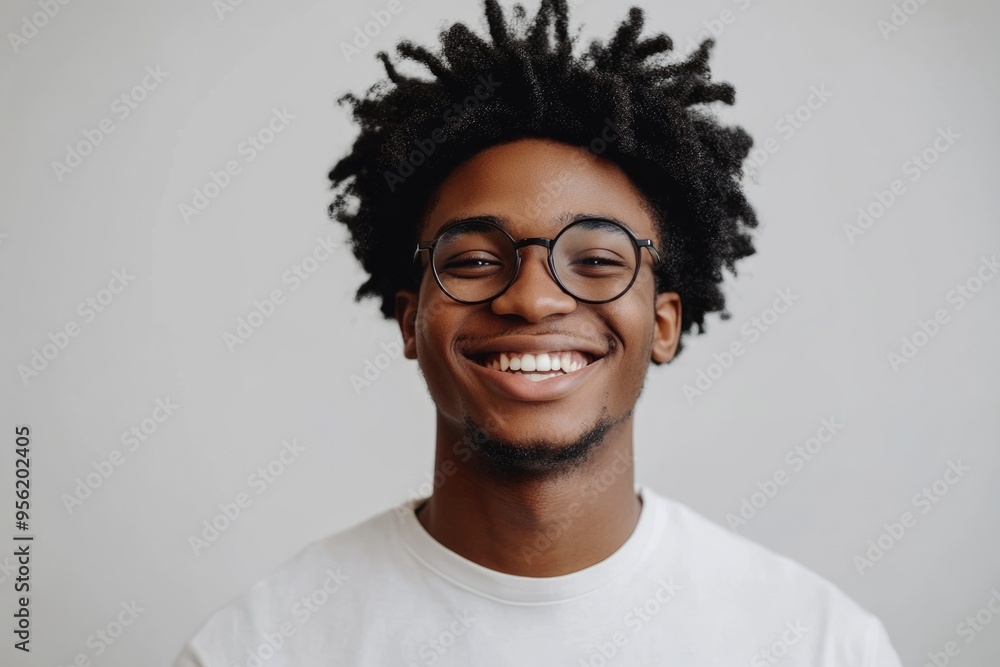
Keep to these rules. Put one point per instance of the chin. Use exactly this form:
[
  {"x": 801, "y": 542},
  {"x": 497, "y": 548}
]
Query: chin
[{"x": 519, "y": 456}]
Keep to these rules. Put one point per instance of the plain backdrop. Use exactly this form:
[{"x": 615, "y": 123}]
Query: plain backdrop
[{"x": 226, "y": 70}]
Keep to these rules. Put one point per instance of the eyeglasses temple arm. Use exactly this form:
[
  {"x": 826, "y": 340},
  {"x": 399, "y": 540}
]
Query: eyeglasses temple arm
[{"x": 648, "y": 243}]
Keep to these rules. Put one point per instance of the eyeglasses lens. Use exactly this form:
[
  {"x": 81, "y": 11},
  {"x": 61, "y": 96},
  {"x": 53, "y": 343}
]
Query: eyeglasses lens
[{"x": 594, "y": 260}]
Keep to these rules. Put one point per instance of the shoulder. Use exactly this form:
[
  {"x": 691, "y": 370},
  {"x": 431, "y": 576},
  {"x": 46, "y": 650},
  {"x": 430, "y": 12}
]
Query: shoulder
[
  {"x": 754, "y": 587},
  {"x": 316, "y": 581},
  {"x": 709, "y": 550}
]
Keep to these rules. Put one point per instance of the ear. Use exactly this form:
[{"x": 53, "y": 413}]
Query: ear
[
  {"x": 406, "y": 316},
  {"x": 667, "y": 330}
]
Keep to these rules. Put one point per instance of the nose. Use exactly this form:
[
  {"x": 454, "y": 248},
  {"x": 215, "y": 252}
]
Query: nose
[{"x": 534, "y": 294}]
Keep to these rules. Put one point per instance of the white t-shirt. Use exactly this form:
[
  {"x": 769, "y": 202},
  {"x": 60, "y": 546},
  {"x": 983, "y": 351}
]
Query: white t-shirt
[{"x": 680, "y": 591}]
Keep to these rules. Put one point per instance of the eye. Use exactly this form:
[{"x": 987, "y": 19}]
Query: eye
[
  {"x": 595, "y": 260},
  {"x": 470, "y": 262},
  {"x": 471, "y": 266}
]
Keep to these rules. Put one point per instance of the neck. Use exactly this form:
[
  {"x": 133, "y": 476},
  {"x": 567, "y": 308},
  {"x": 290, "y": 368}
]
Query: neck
[{"x": 542, "y": 526}]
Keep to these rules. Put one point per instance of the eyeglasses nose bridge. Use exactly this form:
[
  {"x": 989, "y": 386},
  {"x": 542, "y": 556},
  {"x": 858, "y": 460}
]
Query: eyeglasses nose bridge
[{"x": 535, "y": 240}]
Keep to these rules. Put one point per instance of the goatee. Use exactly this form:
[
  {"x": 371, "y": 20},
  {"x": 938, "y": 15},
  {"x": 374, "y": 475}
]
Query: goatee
[{"x": 533, "y": 460}]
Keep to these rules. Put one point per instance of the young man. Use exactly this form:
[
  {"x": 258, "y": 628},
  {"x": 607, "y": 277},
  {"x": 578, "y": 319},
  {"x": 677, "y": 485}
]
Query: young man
[{"x": 542, "y": 227}]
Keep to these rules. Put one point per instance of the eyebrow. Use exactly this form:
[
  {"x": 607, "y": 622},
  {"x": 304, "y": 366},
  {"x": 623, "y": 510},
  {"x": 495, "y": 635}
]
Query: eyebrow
[{"x": 564, "y": 220}]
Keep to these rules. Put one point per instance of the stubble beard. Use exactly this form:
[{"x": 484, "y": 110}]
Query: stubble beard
[{"x": 538, "y": 459}]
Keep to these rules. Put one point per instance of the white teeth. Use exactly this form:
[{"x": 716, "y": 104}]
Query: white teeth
[
  {"x": 537, "y": 367},
  {"x": 538, "y": 377},
  {"x": 527, "y": 362}
]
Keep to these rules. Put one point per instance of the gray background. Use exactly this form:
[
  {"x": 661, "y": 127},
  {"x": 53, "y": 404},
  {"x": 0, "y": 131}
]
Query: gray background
[{"x": 162, "y": 336}]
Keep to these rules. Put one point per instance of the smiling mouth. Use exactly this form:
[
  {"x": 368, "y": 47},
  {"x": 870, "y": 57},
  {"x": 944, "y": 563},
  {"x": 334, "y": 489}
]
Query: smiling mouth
[{"x": 539, "y": 366}]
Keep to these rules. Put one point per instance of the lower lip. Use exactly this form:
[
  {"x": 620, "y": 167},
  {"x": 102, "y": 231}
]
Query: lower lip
[{"x": 520, "y": 388}]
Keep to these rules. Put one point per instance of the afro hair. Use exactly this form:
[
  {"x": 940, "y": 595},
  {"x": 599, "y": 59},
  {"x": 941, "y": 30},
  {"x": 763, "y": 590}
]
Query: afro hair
[{"x": 415, "y": 131}]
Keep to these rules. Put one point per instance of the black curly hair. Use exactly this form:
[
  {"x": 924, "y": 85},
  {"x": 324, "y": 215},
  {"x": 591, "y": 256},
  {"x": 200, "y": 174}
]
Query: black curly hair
[{"x": 415, "y": 131}]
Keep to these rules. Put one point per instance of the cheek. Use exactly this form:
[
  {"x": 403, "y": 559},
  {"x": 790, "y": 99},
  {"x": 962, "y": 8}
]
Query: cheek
[
  {"x": 428, "y": 332},
  {"x": 431, "y": 316},
  {"x": 632, "y": 322},
  {"x": 637, "y": 339},
  {"x": 438, "y": 318}
]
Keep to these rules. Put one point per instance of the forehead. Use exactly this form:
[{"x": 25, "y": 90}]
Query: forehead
[{"x": 535, "y": 187}]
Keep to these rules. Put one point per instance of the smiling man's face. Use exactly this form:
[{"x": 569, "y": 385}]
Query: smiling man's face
[{"x": 535, "y": 188}]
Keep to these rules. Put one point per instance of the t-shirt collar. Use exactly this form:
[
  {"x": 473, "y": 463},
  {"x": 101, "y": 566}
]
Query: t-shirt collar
[{"x": 517, "y": 589}]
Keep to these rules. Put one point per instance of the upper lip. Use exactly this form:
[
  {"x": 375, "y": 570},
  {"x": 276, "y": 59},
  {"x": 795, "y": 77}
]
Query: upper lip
[{"x": 535, "y": 345}]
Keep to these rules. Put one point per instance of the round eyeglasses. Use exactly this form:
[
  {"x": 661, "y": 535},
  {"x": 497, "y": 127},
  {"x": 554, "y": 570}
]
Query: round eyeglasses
[{"x": 594, "y": 260}]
